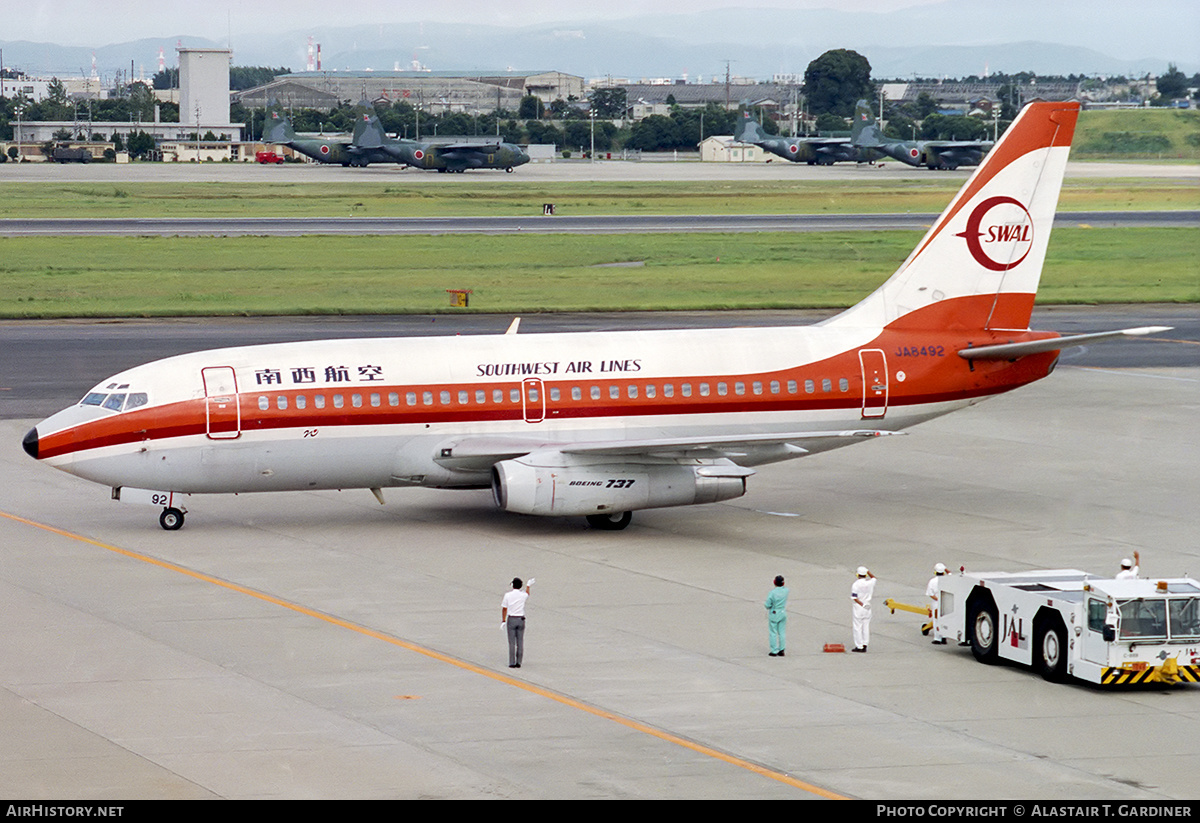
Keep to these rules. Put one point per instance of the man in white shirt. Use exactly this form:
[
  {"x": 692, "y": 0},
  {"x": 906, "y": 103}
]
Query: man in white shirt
[
  {"x": 1130, "y": 568},
  {"x": 933, "y": 592},
  {"x": 512, "y": 616},
  {"x": 860, "y": 610}
]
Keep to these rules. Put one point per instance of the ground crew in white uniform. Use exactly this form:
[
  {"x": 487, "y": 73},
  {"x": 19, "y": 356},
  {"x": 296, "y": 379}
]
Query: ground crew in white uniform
[
  {"x": 1130, "y": 568},
  {"x": 933, "y": 592},
  {"x": 860, "y": 610}
]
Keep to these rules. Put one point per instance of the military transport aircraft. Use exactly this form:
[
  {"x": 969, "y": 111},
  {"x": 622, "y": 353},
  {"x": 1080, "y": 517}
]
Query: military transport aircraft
[
  {"x": 933, "y": 154},
  {"x": 599, "y": 424},
  {"x": 456, "y": 156},
  {"x": 325, "y": 150},
  {"x": 822, "y": 151}
]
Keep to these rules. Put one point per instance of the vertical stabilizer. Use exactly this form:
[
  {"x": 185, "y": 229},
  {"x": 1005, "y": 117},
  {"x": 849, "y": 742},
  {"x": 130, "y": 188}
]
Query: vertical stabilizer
[
  {"x": 978, "y": 267},
  {"x": 864, "y": 132},
  {"x": 368, "y": 131},
  {"x": 278, "y": 129}
]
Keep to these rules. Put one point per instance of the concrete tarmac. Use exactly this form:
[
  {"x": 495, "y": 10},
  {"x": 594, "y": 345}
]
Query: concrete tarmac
[{"x": 319, "y": 645}]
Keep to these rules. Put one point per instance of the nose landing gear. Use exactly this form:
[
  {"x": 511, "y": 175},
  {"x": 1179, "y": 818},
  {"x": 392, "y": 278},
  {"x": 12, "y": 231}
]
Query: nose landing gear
[{"x": 171, "y": 519}]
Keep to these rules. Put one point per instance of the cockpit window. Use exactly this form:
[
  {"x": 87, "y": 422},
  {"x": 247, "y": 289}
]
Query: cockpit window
[{"x": 116, "y": 402}]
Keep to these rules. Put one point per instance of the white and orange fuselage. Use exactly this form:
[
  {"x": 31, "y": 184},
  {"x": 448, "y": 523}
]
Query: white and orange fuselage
[{"x": 600, "y": 423}]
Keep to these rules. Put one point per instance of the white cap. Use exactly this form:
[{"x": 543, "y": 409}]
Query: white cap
[
  {"x": 1126, "y": 563},
  {"x": 940, "y": 568},
  {"x": 862, "y": 571}
]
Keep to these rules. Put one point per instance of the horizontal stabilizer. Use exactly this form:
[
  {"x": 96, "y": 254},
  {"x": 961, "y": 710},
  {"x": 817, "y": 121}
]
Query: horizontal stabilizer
[{"x": 1011, "y": 351}]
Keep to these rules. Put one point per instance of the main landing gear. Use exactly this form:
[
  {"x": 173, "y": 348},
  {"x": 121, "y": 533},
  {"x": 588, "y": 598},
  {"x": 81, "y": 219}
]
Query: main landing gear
[
  {"x": 611, "y": 522},
  {"x": 171, "y": 519}
]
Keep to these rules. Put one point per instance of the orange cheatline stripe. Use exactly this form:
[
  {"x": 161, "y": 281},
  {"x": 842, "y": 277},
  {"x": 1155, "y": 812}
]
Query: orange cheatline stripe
[{"x": 443, "y": 658}]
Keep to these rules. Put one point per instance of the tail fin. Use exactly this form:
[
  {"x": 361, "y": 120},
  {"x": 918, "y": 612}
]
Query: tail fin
[
  {"x": 748, "y": 130},
  {"x": 278, "y": 129},
  {"x": 978, "y": 267},
  {"x": 368, "y": 132},
  {"x": 864, "y": 133}
]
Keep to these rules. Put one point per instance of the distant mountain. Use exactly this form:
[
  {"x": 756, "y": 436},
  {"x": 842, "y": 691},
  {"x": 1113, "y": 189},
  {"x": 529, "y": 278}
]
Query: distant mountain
[{"x": 951, "y": 38}]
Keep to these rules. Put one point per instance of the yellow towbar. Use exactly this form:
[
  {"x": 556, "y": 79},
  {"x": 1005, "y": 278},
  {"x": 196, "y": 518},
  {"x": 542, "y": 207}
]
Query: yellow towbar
[{"x": 907, "y": 607}]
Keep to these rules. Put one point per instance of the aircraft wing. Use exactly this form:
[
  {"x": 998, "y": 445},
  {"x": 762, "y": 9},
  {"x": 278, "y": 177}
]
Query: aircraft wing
[
  {"x": 1011, "y": 351},
  {"x": 479, "y": 453}
]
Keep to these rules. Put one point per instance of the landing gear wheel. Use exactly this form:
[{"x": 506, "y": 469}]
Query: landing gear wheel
[
  {"x": 610, "y": 522},
  {"x": 508, "y": 169},
  {"x": 1051, "y": 646},
  {"x": 983, "y": 625},
  {"x": 171, "y": 519}
]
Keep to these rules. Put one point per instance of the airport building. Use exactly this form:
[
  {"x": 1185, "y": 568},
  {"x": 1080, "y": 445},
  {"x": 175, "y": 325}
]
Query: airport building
[{"x": 437, "y": 92}]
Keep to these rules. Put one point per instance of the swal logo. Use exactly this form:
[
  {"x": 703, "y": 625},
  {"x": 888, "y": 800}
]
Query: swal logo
[{"x": 999, "y": 233}]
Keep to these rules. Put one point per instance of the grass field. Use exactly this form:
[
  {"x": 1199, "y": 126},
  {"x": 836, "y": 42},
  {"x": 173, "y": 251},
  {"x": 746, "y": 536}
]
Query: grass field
[
  {"x": 103, "y": 277},
  {"x": 1128, "y": 134},
  {"x": 514, "y": 197}
]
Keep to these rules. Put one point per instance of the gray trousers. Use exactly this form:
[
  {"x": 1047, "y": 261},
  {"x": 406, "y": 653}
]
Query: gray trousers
[{"x": 516, "y": 640}]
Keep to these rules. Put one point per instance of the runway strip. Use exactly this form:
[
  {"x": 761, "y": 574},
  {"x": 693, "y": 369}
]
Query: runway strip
[
  {"x": 538, "y": 224},
  {"x": 442, "y": 658}
]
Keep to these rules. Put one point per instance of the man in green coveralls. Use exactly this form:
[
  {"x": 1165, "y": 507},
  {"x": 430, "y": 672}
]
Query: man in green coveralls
[{"x": 776, "y": 607}]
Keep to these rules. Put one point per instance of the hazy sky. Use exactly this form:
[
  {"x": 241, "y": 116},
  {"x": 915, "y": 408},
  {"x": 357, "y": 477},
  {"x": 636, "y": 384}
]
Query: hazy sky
[{"x": 90, "y": 23}]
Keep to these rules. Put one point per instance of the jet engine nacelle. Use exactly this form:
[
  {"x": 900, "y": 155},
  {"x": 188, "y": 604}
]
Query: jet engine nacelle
[{"x": 529, "y": 486}]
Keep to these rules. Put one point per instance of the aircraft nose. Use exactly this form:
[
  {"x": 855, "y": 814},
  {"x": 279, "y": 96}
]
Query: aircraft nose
[{"x": 31, "y": 443}]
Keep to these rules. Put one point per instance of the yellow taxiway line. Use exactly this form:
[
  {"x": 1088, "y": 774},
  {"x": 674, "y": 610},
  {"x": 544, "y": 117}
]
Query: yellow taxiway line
[{"x": 699, "y": 748}]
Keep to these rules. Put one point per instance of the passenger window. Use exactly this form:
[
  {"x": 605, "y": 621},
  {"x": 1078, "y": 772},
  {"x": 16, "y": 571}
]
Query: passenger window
[
  {"x": 375, "y": 400},
  {"x": 576, "y": 393},
  {"x": 445, "y": 397},
  {"x": 281, "y": 402},
  {"x": 757, "y": 387},
  {"x": 301, "y": 401},
  {"x": 338, "y": 401},
  {"x": 410, "y": 398},
  {"x": 614, "y": 392},
  {"x": 704, "y": 390},
  {"x": 394, "y": 398},
  {"x": 687, "y": 389},
  {"x": 480, "y": 397},
  {"x": 774, "y": 387},
  {"x": 595, "y": 392},
  {"x": 792, "y": 388},
  {"x": 427, "y": 398},
  {"x": 650, "y": 390},
  {"x": 843, "y": 384},
  {"x": 463, "y": 397},
  {"x": 533, "y": 395},
  {"x": 740, "y": 388},
  {"x": 263, "y": 403},
  {"x": 497, "y": 395},
  {"x": 826, "y": 384},
  {"x": 669, "y": 390},
  {"x": 722, "y": 389},
  {"x": 555, "y": 394},
  {"x": 514, "y": 395},
  {"x": 356, "y": 400},
  {"x": 631, "y": 390},
  {"x": 319, "y": 401}
]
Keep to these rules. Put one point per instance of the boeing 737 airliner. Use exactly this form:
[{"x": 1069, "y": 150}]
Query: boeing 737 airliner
[{"x": 599, "y": 424}]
